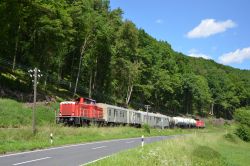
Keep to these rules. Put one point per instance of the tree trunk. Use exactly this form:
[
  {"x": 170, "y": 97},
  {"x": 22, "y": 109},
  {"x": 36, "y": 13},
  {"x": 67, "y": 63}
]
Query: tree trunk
[
  {"x": 16, "y": 47},
  {"x": 59, "y": 72},
  {"x": 94, "y": 78},
  {"x": 71, "y": 72},
  {"x": 129, "y": 93},
  {"x": 90, "y": 84},
  {"x": 45, "y": 80},
  {"x": 82, "y": 50}
]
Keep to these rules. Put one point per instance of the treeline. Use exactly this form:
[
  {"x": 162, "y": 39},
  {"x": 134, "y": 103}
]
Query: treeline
[{"x": 89, "y": 45}]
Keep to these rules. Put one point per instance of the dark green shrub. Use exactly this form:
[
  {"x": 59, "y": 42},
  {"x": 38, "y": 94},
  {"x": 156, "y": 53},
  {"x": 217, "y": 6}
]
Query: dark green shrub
[
  {"x": 243, "y": 132},
  {"x": 242, "y": 116}
]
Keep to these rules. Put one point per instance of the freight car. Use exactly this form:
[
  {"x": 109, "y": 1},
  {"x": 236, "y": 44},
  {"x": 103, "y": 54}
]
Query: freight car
[
  {"x": 83, "y": 111},
  {"x": 184, "y": 122},
  {"x": 114, "y": 115}
]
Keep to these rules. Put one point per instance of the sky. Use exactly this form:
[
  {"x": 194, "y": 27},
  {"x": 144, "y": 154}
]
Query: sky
[{"x": 212, "y": 29}]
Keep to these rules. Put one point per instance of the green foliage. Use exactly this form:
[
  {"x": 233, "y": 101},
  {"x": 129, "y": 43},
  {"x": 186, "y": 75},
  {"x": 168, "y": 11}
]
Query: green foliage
[
  {"x": 86, "y": 48},
  {"x": 243, "y": 132},
  {"x": 242, "y": 116}
]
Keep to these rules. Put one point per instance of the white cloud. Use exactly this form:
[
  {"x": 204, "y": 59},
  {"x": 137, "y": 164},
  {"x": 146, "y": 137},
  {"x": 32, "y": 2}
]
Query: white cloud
[
  {"x": 159, "y": 21},
  {"x": 237, "y": 56},
  {"x": 199, "y": 55},
  {"x": 210, "y": 27},
  {"x": 195, "y": 53}
]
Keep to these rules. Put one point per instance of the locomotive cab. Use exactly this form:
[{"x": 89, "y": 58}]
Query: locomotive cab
[
  {"x": 82, "y": 100},
  {"x": 79, "y": 111},
  {"x": 200, "y": 123}
]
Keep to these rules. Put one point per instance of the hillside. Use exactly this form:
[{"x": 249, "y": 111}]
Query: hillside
[{"x": 84, "y": 48}]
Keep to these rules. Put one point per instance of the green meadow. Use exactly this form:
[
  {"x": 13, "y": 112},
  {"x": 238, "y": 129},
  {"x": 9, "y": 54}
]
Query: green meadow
[{"x": 198, "y": 149}]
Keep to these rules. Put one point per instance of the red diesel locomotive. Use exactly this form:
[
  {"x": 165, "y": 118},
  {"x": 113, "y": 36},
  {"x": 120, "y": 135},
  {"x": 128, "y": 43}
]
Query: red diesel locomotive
[
  {"x": 79, "y": 112},
  {"x": 200, "y": 123}
]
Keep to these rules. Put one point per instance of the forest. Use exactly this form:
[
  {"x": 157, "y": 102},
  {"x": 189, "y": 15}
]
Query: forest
[{"x": 83, "y": 48}]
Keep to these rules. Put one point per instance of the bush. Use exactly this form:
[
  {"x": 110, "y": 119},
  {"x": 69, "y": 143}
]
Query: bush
[
  {"x": 242, "y": 116},
  {"x": 243, "y": 132}
]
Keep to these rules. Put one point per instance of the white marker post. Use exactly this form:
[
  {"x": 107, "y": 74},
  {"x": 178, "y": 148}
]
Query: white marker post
[
  {"x": 142, "y": 140},
  {"x": 51, "y": 138}
]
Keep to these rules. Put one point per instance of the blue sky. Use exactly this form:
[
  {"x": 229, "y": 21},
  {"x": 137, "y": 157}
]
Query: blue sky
[{"x": 214, "y": 29}]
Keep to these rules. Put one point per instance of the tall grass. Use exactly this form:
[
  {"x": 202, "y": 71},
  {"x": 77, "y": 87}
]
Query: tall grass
[
  {"x": 210, "y": 149},
  {"x": 15, "y": 114}
]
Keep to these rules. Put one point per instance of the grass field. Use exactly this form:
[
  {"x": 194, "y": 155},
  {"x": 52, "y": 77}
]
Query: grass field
[
  {"x": 210, "y": 149},
  {"x": 15, "y": 114}
]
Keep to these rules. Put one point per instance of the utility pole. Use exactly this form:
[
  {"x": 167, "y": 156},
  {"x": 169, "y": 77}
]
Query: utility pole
[
  {"x": 34, "y": 102},
  {"x": 212, "y": 109},
  {"x": 34, "y": 73},
  {"x": 147, "y": 107}
]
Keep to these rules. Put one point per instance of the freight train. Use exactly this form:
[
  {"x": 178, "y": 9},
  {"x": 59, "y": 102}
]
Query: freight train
[{"x": 84, "y": 111}]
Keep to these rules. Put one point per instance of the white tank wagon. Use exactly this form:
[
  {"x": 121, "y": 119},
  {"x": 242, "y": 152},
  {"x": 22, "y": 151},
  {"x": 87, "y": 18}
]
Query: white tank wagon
[{"x": 184, "y": 122}]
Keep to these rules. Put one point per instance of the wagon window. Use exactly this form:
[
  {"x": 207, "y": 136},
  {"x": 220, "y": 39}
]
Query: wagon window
[{"x": 109, "y": 112}]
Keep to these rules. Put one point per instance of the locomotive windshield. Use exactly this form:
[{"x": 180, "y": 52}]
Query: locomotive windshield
[{"x": 85, "y": 100}]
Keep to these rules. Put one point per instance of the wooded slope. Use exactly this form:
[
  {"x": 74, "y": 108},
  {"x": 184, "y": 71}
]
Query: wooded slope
[{"x": 83, "y": 47}]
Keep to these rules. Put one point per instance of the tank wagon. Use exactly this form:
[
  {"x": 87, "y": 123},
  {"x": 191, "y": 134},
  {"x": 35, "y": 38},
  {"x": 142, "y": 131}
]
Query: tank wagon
[
  {"x": 82, "y": 111},
  {"x": 184, "y": 122}
]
